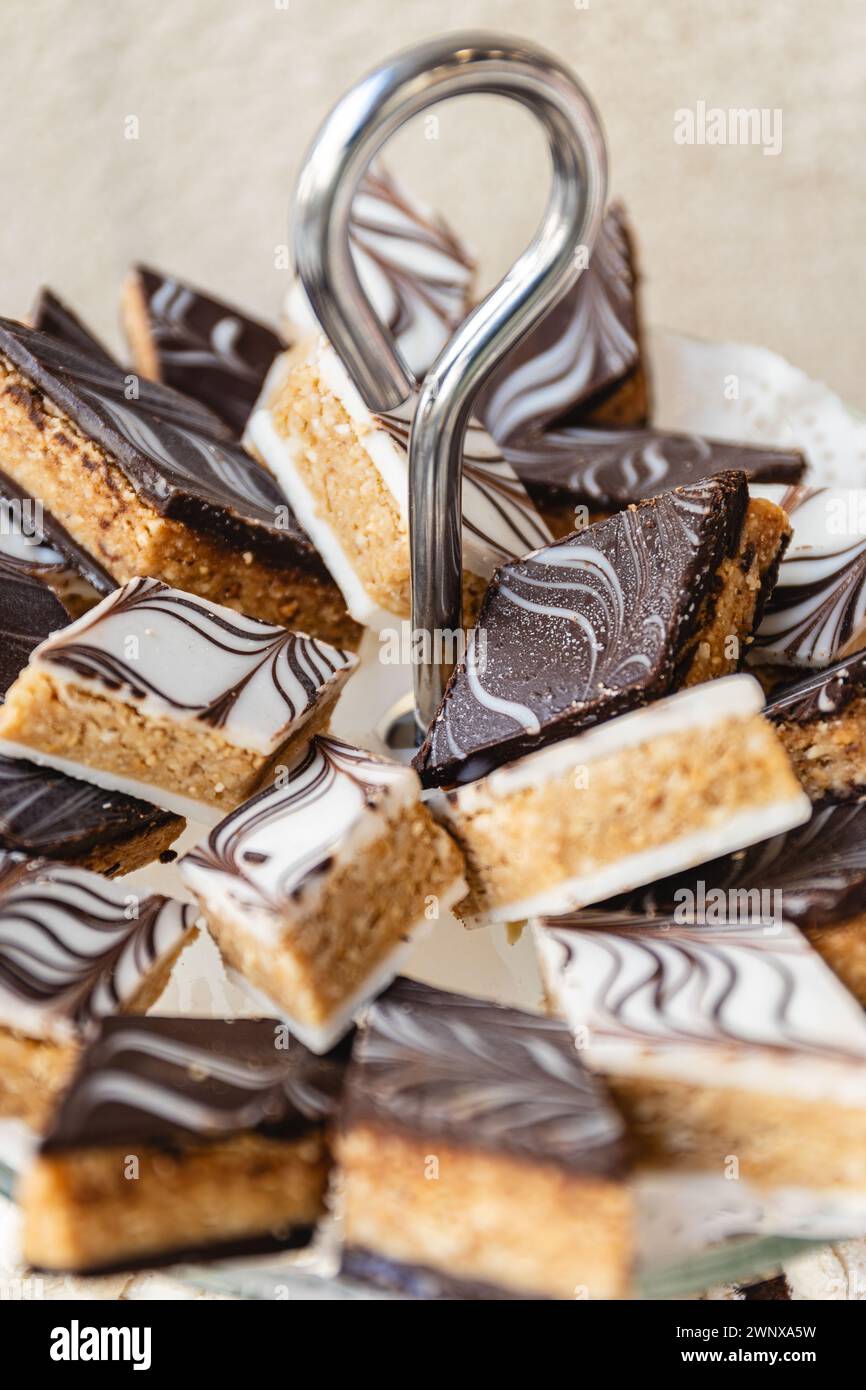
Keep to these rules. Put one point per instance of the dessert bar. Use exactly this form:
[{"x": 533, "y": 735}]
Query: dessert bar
[
  {"x": 345, "y": 473},
  {"x": 182, "y": 1138},
  {"x": 74, "y": 948},
  {"x": 817, "y": 611},
  {"x": 648, "y": 793},
  {"x": 479, "y": 1158},
  {"x": 661, "y": 595},
  {"x": 162, "y": 695},
  {"x": 416, "y": 272},
  {"x": 813, "y": 876},
  {"x": 316, "y": 888},
  {"x": 575, "y": 475},
  {"x": 822, "y": 722},
  {"x": 584, "y": 362},
  {"x": 197, "y": 344},
  {"x": 44, "y": 813},
  {"x": 148, "y": 481},
  {"x": 723, "y": 1045}
]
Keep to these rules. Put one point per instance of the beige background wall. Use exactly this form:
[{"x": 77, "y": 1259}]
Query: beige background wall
[{"x": 228, "y": 93}]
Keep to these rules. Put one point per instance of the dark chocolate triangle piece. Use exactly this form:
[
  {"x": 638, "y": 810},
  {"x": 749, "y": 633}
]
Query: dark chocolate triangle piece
[
  {"x": 198, "y": 344},
  {"x": 599, "y": 623},
  {"x": 605, "y": 470},
  {"x": 51, "y": 315}
]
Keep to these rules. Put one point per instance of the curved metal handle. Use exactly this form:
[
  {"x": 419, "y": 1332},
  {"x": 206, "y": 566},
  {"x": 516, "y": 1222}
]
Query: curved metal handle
[{"x": 346, "y": 143}]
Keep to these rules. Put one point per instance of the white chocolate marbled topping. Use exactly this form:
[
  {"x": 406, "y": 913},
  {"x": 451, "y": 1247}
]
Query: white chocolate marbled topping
[
  {"x": 500, "y": 522},
  {"x": 416, "y": 273},
  {"x": 174, "y": 655},
  {"x": 269, "y": 858},
  {"x": 817, "y": 612},
  {"x": 744, "y": 1008},
  {"x": 75, "y": 947}
]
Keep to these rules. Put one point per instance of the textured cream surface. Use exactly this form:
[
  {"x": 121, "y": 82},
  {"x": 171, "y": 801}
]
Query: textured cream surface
[{"x": 228, "y": 93}]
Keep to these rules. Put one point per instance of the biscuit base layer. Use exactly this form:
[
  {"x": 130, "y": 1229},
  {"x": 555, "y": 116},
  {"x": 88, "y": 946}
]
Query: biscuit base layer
[
  {"x": 843, "y": 947},
  {"x": 79, "y": 484},
  {"x": 125, "y": 855},
  {"x": 829, "y": 755},
  {"x": 81, "y": 729},
  {"x": 734, "y": 608},
  {"x": 362, "y": 916},
  {"x": 534, "y": 1229},
  {"x": 34, "y": 1071},
  {"x": 624, "y": 820},
  {"x": 362, "y": 515},
  {"x": 111, "y": 1208},
  {"x": 775, "y": 1140}
]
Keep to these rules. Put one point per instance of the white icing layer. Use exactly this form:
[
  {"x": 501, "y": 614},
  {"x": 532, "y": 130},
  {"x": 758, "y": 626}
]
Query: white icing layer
[
  {"x": 176, "y": 656},
  {"x": 739, "y": 1008}
]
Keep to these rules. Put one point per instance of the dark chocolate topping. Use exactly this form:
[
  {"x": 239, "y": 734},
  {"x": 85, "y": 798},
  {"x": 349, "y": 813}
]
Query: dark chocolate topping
[
  {"x": 446, "y": 1066},
  {"x": 206, "y": 348},
  {"x": 819, "y": 696},
  {"x": 590, "y": 627},
  {"x": 588, "y": 341},
  {"x": 44, "y": 812},
  {"x": 605, "y": 470},
  {"x": 51, "y": 315},
  {"x": 169, "y": 1081},
  {"x": 54, "y": 550},
  {"x": 29, "y": 612},
  {"x": 819, "y": 869},
  {"x": 420, "y": 1281},
  {"x": 178, "y": 456}
]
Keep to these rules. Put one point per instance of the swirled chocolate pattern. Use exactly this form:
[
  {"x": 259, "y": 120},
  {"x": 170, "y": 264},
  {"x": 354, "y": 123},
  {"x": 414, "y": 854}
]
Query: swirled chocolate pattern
[
  {"x": 178, "y": 655},
  {"x": 51, "y": 315},
  {"x": 499, "y": 520},
  {"x": 33, "y": 543},
  {"x": 199, "y": 345},
  {"x": 417, "y": 274},
  {"x": 161, "y": 1080},
  {"x": 815, "y": 874},
  {"x": 605, "y": 470},
  {"x": 275, "y": 849},
  {"x": 29, "y": 612},
  {"x": 178, "y": 456},
  {"x": 43, "y": 812},
  {"x": 452, "y": 1067},
  {"x": 75, "y": 947},
  {"x": 585, "y": 629},
  {"x": 817, "y": 611},
  {"x": 639, "y": 988},
  {"x": 588, "y": 341},
  {"x": 820, "y": 696}
]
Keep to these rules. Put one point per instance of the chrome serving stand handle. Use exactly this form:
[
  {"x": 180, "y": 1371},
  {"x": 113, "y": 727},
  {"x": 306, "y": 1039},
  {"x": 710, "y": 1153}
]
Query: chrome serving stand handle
[{"x": 358, "y": 126}]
